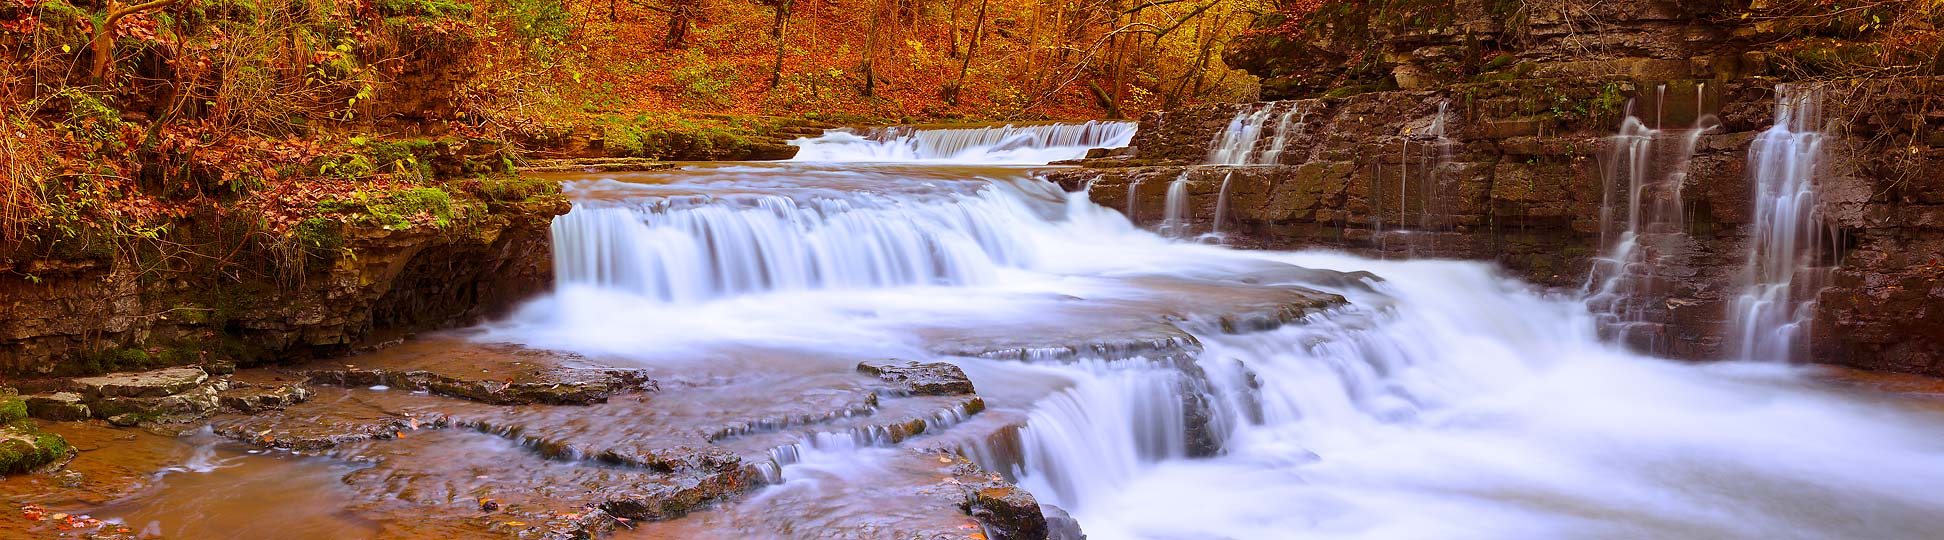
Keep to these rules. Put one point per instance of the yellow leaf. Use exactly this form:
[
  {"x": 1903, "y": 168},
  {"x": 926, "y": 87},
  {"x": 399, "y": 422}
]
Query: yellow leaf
[{"x": 65, "y": 48}]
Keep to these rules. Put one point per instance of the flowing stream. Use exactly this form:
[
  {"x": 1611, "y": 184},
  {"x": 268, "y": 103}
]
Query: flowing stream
[
  {"x": 1131, "y": 381},
  {"x": 1442, "y": 401}
]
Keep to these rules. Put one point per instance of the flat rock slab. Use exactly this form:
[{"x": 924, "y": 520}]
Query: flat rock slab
[
  {"x": 901, "y": 494},
  {"x": 147, "y": 384},
  {"x": 1151, "y": 317},
  {"x": 58, "y": 406},
  {"x": 458, "y": 481},
  {"x": 935, "y": 378},
  {"x": 497, "y": 374},
  {"x": 251, "y": 398},
  {"x": 332, "y": 417}
]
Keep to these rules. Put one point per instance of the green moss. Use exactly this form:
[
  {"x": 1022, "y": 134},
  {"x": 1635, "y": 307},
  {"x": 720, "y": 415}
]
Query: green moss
[
  {"x": 408, "y": 157},
  {"x": 23, "y": 446},
  {"x": 19, "y": 456},
  {"x": 112, "y": 360},
  {"x": 510, "y": 188},
  {"x": 12, "y": 409},
  {"x": 423, "y": 8},
  {"x": 412, "y": 203},
  {"x": 319, "y": 234}
]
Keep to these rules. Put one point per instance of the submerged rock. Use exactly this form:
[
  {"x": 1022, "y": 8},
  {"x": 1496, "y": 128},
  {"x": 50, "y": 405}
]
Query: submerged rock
[{"x": 250, "y": 398}]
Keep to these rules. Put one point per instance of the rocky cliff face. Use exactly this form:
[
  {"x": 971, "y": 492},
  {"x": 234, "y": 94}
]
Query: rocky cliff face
[
  {"x": 1515, "y": 161},
  {"x": 85, "y": 314}
]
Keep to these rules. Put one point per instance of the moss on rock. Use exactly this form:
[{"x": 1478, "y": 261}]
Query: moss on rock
[{"x": 23, "y": 446}]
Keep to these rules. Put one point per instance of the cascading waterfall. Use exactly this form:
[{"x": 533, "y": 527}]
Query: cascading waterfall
[
  {"x": 1175, "y": 224},
  {"x": 1032, "y": 144},
  {"x": 1221, "y": 206},
  {"x": 1441, "y": 393},
  {"x": 1434, "y": 151},
  {"x": 1783, "y": 275},
  {"x": 1119, "y": 418},
  {"x": 1645, "y": 170},
  {"x": 691, "y": 252},
  {"x": 1242, "y": 143}
]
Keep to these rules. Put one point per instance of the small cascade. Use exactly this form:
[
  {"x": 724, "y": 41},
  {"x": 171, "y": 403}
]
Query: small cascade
[
  {"x": 1291, "y": 123},
  {"x": 1642, "y": 224},
  {"x": 1035, "y": 144},
  {"x": 1133, "y": 198},
  {"x": 1784, "y": 273},
  {"x": 1221, "y": 207},
  {"x": 682, "y": 251},
  {"x": 1120, "y": 417},
  {"x": 1420, "y": 177},
  {"x": 1242, "y": 142},
  {"x": 1175, "y": 224}
]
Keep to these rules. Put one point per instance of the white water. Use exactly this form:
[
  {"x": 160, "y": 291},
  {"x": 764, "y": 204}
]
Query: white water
[
  {"x": 1242, "y": 143},
  {"x": 1642, "y": 222},
  {"x": 1445, "y": 402},
  {"x": 1032, "y": 144},
  {"x": 1175, "y": 223},
  {"x": 1772, "y": 314}
]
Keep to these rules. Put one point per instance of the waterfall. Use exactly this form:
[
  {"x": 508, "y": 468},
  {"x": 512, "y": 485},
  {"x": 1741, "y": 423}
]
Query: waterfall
[
  {"x": 1782, "y": 276},
  {"x": 1031, "y": 144},
  {"x": 1119, "y": 417},
  {"x": 1176, "y": 223},
  {"x": 1443, "y": 392},
  {"x": 688, "y": 251},
  {"x": 1644, "y": 170},
  {"x": 1221, "y": 205},
  {"x": 1238, "y": 143}
]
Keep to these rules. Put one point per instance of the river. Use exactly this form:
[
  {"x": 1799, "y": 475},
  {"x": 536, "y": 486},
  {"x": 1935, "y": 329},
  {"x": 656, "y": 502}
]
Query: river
[{"x": 1436, "y": 399}]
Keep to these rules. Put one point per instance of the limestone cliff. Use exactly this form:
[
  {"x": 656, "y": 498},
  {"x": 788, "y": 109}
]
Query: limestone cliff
[{"x": 1484, "y": 132}]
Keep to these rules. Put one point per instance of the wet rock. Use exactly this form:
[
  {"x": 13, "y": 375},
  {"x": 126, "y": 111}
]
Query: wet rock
[
  {"x": 935, "y": 378},
  {"x": 496, "y": 374},
  {"x": 330, "y": 418},
  {"x": 191, "y": 403},
  {"x": 547, "y": 386},
  {"x": 675, "y": 495},
  {"x": 23, "y": 446},
  {"x": 1060, "y": 525},
  {"x": 1007, "y": 511},
  {"x": 174, "y": 394},
  {"x": 58, "y": 406},
  {"x": 250, "y": 398},
  {"x": 446, "y": 476}
]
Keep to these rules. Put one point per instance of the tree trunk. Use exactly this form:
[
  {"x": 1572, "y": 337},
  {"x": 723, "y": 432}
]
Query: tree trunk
[
  {"x": 781, "y": 31},
  {"x": 965, "y": 64},
  {"x": 870, "y": 48},
  {"x": 680, "y": 14},
  {"x": 103, "y": 44}
]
